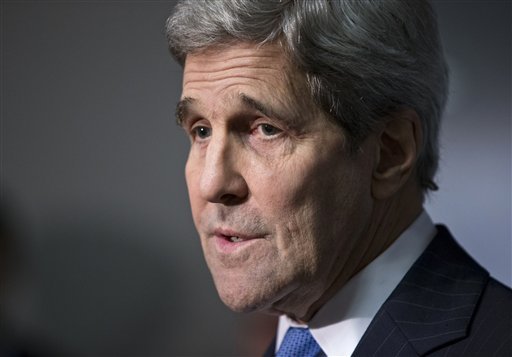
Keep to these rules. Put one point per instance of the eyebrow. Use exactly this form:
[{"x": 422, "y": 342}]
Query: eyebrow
[
  {"x": 257, "y": 105},
  {"x": 182, "y": 108},
  {"x": 289, "y": 118}
]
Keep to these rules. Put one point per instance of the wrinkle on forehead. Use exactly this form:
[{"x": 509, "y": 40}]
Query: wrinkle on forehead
[
  {"x": 261, "y": 69},
  {"x": 242, "y": 62},
  {"x": 243, "y": 51}
]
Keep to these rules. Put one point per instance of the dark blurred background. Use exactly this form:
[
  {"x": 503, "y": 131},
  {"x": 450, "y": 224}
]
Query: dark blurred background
[{"x": 107, "y": 261}]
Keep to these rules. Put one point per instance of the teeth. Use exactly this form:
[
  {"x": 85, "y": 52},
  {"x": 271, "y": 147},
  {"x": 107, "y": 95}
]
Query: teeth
[{"x": 235, "y": 239}]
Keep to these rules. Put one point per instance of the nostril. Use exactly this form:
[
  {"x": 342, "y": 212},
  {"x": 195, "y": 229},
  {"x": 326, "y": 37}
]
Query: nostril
[{"x": 229, "y": 199}]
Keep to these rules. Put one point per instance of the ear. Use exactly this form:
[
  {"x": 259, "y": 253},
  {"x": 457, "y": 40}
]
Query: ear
[{"x": 398, "y": 148}]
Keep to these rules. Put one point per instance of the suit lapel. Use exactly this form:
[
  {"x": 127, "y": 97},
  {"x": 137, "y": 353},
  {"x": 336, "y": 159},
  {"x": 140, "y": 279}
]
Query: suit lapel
[{"x": 432, "y": 306}]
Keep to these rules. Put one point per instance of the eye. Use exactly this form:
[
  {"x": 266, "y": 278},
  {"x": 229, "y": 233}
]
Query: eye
[
  {"x": 201, "y": 132},
  {"x": 268, "y": 130}
]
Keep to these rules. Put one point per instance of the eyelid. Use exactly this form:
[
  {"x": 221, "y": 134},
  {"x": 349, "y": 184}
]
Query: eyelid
[
  {"x": 194, "y": 125},
  {"x": 191, "y": 123},
  {"x": 257, "y": 128},
  {"x": 266, "y": 120},
  {"x": 278, "y": 123},
  {"x": 270, "y": 125}
]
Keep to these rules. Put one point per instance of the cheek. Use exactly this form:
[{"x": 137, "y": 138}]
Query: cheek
[
  {"x": 290, "y": 196},
  {"x": 317, "y": 198},
  {"x": 192, "y": 176},
  {"x": 295, "y": 186},
  {"x": 276, "y": 189}
]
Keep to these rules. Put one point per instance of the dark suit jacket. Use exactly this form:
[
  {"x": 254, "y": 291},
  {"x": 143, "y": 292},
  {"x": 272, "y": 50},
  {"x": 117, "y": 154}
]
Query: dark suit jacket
[{"x": 446, "y": 305}]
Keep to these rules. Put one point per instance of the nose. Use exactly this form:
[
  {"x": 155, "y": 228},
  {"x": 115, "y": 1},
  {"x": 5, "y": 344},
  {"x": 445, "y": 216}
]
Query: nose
[{"x": 222, "y": 180}]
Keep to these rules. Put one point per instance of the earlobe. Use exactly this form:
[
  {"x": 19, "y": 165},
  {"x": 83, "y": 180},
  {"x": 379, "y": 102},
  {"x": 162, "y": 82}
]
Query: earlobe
[{"x": 397, "y": 150}]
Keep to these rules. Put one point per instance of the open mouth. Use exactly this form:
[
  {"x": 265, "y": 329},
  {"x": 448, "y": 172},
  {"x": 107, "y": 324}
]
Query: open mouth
[
  {"x": 229, "y": 241},
  {"x": 234, "y": 239}
]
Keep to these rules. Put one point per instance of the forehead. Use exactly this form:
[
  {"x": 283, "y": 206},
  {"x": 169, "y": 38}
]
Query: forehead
[
  {"x": 226, "y": 68},
  {"x": 246, "y": 60},
  {"x": 242, "y": 73}
]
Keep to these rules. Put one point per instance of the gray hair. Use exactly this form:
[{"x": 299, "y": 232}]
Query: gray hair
[{"x": 361, "y": 59}]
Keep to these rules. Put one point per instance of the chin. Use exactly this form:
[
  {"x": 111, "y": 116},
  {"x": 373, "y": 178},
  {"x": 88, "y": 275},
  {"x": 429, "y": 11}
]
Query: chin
[
  {"x": 247, "y": 296},
  {"x": 243, "y": 301}
]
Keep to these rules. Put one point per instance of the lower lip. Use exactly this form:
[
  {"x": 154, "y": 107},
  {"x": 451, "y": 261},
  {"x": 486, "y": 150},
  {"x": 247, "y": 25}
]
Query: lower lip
[{"x": 225, "y": 246}]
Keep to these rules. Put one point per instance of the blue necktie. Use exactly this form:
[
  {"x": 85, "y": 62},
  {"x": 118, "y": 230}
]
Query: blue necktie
[{"x": 298, "y": 342}]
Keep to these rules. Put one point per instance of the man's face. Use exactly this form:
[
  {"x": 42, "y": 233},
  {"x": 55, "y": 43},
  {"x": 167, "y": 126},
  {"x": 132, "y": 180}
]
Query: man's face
[{"x": 278, "y": 201}]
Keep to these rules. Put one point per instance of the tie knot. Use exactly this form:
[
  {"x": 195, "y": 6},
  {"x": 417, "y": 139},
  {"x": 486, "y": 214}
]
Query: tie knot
[{"x": 299, "y": 342}]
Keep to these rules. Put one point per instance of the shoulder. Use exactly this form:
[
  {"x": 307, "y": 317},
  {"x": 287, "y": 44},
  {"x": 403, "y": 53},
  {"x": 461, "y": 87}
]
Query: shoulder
[
  {"x": 494, "y": 313},
  {"x": 489, "y": 333}
]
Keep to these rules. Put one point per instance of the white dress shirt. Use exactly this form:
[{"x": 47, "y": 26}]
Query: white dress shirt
[{"x": 341, "y": 322}]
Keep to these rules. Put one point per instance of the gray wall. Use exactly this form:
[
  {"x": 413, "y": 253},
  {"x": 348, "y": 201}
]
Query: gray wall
[
  {"x": 474, "y": 199},
  {"x": 94, "y": 161}
]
